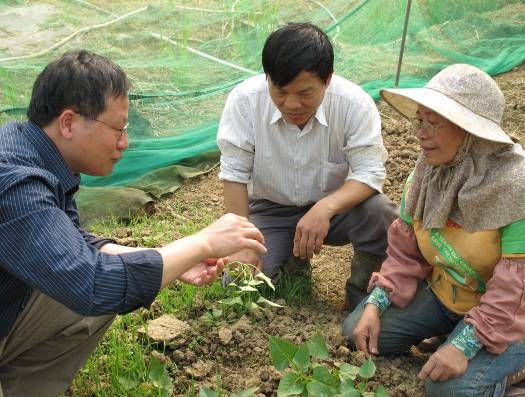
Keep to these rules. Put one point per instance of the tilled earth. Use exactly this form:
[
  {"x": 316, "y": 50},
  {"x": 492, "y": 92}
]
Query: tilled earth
[{"x": 234, "y": 353}]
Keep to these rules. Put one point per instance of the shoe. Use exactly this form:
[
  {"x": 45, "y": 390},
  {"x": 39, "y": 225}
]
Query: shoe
[
  {"x": 430, "y": 345},
  {"x": 362, "y": 266},
  {"x": 353, "y": 296},
  {"x": 516, "y": 377},
  {"x": 516, "y": 384}
]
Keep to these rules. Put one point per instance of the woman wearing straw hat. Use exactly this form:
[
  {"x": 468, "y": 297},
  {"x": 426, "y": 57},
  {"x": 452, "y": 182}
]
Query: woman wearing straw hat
[{"x": 456, "y": 255}]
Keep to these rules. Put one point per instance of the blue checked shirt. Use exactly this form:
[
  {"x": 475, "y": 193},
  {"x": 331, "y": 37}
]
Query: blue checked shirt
[{"x": 42, "y": 245}]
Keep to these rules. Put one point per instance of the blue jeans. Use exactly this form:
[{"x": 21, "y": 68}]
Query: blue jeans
[{"x": 425, "y": 317}]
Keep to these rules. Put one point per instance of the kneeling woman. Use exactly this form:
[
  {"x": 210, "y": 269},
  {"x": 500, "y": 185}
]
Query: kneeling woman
[{"x": 456, "y": 255}]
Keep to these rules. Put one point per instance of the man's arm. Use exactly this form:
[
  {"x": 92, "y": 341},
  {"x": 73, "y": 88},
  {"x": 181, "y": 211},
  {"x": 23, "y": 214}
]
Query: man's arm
[
  {"x": 349, "y": 195},
  {"x": 44, "y": 248},
  {"x": 236, "y": 198}
]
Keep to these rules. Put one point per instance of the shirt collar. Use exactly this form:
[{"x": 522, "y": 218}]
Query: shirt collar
[{"x": 52, "y": 159}]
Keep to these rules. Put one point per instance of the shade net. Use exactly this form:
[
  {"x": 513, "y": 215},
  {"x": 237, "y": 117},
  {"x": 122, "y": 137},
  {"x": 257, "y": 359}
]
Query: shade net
[{"x": 183, "y": 57}]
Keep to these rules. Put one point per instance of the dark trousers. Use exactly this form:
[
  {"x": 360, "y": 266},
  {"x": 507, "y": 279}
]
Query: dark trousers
[{"x": 364, "y": 226}]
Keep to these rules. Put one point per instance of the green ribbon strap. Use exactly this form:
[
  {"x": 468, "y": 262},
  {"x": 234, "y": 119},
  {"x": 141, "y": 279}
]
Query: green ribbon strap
[{"x": 456, "y": 266}]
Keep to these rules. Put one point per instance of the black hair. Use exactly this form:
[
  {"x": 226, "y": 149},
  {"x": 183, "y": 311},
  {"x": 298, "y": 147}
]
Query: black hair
[
  {"x": 79, "y": 80},
  {"x": 294, "y": 48}
]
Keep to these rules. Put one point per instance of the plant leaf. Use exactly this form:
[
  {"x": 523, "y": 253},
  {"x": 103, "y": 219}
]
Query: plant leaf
[
  {"x": 246, "y": 393},
  {"x": 290, "y": 385},
  {"x": 347, "y": 389},
  {"x": 247, "y": 288},
  {"x": 368, "y": 369},
  {"x": 368, "y": 394},
  {"x": 381, "y": 392},
  {"x": 282, "y": 352},
  {"x": 266, "y": 279},
  {"x": 206, "y": 392},
  {"x": 317, "y": 347},
  {"x": 159, "y": 376},
  {"x": 347, "y": 371},
  {"x": 129, "y": 379},
  {"x": 301, "y": 359},
  {"x": 251, "y": 306},
  {"x": 254, "y": 282},
  {"x": 268, "y": 302},
  {"x": 323, "y": 383},
  {"x": 232, "y": 301}
]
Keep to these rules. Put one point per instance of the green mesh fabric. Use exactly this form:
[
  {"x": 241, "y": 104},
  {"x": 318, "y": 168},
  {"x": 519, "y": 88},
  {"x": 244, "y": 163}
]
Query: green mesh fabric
[{"x": 183, "y": 57}]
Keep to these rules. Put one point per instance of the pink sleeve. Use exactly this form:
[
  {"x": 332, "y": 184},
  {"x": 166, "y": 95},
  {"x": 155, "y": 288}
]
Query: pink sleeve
[
  {"x": 499, "y": 319},
  {"x": 404, "y": 267}
]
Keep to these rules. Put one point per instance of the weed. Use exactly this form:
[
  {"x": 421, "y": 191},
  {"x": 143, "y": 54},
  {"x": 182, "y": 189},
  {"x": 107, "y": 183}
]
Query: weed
[{"x": 309, "y": 377}]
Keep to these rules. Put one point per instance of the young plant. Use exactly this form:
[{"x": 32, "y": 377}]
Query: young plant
[
  {"x": 243, "y": 288},
  {"x": 155, "y": 382},
  {"x": 309, "y": 377}
]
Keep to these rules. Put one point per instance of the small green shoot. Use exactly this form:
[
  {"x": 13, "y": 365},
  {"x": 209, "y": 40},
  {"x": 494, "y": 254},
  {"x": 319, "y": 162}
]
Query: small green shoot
[{"x": 243, "y": 289}]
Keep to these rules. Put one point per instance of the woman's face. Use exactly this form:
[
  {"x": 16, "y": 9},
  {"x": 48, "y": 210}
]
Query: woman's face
[{"x": 439, "y": 138}]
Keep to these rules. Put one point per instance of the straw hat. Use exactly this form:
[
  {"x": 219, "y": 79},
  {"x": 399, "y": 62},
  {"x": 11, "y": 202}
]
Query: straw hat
[{"x": 461, "y": 93}]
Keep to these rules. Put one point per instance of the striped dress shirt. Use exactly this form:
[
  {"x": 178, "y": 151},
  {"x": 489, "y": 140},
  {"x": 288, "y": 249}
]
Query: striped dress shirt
[
  {"x": 42, "y": 245},
  {"x": 284, "y": 164}
]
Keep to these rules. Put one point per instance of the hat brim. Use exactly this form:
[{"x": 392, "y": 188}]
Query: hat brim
[{"x": 406, "y": 101}]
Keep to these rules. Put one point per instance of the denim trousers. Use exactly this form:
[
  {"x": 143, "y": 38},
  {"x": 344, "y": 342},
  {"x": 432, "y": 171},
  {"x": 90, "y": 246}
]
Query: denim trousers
[{"x": 424, "y": 317}]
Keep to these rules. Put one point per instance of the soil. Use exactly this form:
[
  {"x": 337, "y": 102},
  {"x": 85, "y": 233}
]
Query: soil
[{"x": 234, "y": 353}]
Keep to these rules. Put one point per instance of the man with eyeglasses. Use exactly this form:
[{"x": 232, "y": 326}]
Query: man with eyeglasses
[{"x": 60, "y": 287}]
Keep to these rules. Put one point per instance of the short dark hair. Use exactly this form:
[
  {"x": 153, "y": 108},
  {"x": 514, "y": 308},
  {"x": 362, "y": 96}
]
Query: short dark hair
[
  {"x": 79, "y": 80},
  {"x": 294, "y": 48}
]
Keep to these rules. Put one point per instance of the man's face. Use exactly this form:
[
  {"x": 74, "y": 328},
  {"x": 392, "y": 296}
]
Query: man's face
[
  {"x": 299, "y": 99},
  {"x": 99, "y": 144}
]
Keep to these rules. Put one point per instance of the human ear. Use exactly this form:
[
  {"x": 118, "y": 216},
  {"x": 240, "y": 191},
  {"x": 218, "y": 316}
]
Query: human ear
[{"x": 65, "y": 123}]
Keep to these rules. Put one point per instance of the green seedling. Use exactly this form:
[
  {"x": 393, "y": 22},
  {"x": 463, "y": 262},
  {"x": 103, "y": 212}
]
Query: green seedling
[
  {"x": 244, "y": 291},
  {"x": 305, "y": 374},
  {"x": 157, "y": 380}
]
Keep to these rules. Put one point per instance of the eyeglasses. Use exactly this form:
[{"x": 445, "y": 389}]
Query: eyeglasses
[
  {"x": 123, "y": 130},
  {"x": 429, "y": 128}
]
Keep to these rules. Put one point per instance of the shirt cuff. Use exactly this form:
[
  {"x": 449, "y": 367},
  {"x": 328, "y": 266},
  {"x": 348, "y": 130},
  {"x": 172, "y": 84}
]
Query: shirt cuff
[
  {"x": 380, "y": 298},
  {"x": 467, "y": 342},
  {"x": 144, "y": 269}
]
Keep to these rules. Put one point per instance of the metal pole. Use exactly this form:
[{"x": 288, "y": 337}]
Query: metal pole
[{"x": 403, "y": 38}]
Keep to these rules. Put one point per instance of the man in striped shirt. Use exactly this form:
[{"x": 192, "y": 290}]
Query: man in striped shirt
[
  {"x": 302, "y": 156},
  {"x": 60, "y": 286}
]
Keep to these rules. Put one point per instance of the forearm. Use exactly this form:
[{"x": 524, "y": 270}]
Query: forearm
[
  {"x": 351, "y": 194},
  {"x": 180, "y": 256},
  {"x": 236, "y": 198},
  {"x": 499, "y": 319},
  {"x": 116, "y": 249}
]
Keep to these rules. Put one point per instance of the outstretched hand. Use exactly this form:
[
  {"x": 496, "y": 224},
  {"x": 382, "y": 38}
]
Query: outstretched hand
[
  {"x": 366, "y": 332},
  {"x": 205, "y": 272},
  {"x": 229, "y": 234}
]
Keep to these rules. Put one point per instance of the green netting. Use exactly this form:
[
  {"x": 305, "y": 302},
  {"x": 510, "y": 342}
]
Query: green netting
[{"x": 183, "y": 57}]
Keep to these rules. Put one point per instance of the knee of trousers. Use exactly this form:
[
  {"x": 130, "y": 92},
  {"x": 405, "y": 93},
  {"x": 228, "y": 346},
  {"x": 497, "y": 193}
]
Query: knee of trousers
[
  {"x": 460, "y": 387},
  {"x": 380, "y": 210}
]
